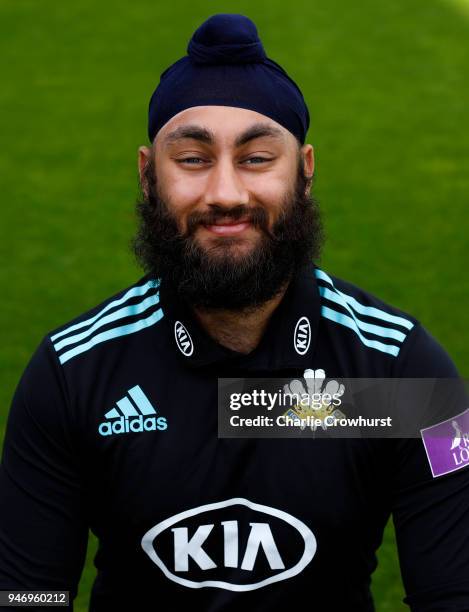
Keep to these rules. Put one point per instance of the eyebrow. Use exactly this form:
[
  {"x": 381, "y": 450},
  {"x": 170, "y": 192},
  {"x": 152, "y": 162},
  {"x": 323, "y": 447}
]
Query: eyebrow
[{"x": 202, "y": 134}]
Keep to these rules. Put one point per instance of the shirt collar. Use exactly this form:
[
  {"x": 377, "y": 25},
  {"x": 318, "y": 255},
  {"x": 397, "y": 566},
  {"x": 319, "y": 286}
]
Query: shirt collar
[{"x": 288, "y": 342}]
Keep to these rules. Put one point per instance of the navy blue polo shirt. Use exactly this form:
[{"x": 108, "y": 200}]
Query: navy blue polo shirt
[{"x": 113, "y": 427}]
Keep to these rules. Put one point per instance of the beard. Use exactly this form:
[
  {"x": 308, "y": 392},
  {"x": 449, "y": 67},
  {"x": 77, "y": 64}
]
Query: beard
[{"x": 216, "y": 277}]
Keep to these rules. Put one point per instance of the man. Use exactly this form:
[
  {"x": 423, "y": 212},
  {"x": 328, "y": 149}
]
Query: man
[{"x": 114, "y": 423}]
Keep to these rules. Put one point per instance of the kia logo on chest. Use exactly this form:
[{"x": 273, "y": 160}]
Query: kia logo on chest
[
  {"x": 302, "y": 335},
  {"x": 236, "y": 545},
  {"x": 183, "y": 339}
]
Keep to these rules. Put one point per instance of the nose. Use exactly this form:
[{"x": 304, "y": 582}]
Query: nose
[{"x": 224, "y": 185}]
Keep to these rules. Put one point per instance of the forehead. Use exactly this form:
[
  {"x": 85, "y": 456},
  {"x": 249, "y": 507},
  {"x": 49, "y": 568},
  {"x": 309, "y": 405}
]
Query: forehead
[{"x": 225, "y": 125}]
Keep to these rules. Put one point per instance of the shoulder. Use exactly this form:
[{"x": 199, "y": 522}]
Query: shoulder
[
  {"x": 80, "y": 359},
  {"x": 131, "y": 310},
  {"x": 381, "y": 329}
]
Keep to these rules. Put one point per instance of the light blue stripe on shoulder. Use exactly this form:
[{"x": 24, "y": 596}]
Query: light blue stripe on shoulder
[
  {"x": 109, "y": 334},
  {"x": 127, "y": 311},
  {"x": 323, "y": 276},
  {"x": 377, "y": 330},
  {"x": 369, "y": 311},
  {"x": 346, "y": 321},
  {"x": 133, "y": 292}
]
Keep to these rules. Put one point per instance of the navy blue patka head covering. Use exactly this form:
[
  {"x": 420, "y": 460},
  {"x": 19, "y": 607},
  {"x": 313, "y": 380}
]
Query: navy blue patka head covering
[{"x": 226, "y": 65}]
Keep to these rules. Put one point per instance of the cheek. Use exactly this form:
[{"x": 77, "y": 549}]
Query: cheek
[
  {"x": 178, "y": 189},
  {"x": 271, "y": 188},
  {"x": 180, "y": 194},
  {"x": 272, "y": 192}
]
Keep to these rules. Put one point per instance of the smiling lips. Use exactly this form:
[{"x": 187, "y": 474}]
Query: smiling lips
[{"x": 228, "y": 227}]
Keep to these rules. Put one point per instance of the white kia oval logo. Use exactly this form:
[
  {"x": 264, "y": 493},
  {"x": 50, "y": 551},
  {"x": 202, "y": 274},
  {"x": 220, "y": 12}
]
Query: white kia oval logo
[
  {"x": 183, "y": 339},
  {"x": 302, "y": 335},
  {"x": 219, "y": 547}
]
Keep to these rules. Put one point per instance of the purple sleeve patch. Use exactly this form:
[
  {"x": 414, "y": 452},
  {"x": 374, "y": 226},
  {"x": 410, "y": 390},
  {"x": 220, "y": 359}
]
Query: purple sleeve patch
[{"x": 447, "y": 444}]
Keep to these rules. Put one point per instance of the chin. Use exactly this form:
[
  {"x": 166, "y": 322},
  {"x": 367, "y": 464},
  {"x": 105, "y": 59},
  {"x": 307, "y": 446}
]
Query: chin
[
  {"x": 224, "y": 244},
  {"x": 233, "y": 247}
]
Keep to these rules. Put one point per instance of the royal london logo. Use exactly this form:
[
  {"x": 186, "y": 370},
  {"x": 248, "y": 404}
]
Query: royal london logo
[
  {"x": 460, "y": 444},
  {"x": 447, "y": 444},
  {"x": 133, "y": 413}
]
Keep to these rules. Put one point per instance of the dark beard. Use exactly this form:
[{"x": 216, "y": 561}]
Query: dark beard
[{"x": 213, "y": 278}]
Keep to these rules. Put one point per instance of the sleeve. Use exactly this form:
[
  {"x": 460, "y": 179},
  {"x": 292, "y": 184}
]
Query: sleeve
[
  {"x": 423, "y": 357},
  {"x": 431, "y": 514},
  {"x": 43, "y": 523}
]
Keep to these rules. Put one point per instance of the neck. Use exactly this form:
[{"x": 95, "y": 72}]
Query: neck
[{"x": 239, "y": 330}]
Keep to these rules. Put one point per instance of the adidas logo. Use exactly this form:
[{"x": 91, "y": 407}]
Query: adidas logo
[{"x": 128, "y": 416}]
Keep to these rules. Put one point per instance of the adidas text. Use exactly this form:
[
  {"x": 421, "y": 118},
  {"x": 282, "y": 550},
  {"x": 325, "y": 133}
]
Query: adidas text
[{"x": 135, "y": 424}]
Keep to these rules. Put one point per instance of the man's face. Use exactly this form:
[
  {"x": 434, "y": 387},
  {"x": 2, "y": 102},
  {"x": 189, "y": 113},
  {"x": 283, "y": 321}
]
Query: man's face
[{"x": 226, "y": 213}]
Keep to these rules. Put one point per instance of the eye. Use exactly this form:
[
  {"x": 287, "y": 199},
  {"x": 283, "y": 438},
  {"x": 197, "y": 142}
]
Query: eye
[
  {"x": 192, "y": 161},
  {"x": 257, "y": 160}
]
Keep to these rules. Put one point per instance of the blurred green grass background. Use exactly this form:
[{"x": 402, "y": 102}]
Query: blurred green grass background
[{"x": 387, "y": 88}]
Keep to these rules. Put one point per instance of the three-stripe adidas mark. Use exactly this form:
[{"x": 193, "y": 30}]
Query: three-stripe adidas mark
[
  {"x": 128, "y": 416},
  {"x": 137, "y": 309},
  {"x": 345, "y": 310}
]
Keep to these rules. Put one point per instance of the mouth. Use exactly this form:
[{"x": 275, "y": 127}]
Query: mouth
[{"x": 228, "y": 227}]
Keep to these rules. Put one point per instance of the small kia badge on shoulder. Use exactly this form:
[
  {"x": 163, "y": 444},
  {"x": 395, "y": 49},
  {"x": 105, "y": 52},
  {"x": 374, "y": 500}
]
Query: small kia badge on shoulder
[
  {"x": 183, "y": 339},
  {"x": 302, "y": 335}
]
